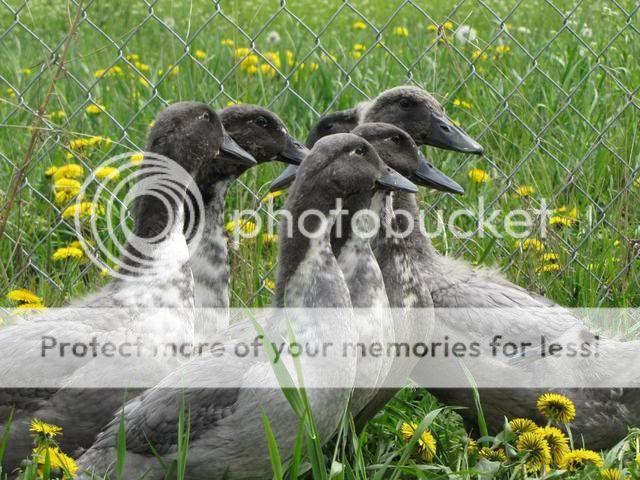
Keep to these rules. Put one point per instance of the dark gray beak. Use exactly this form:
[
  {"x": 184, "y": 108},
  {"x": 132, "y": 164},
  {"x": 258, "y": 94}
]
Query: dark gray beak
[
  {"x": 294, "y": 152},
  {"x": 233, "y": 153},
  {"x": 444, "y": 134},
  {"x": 429, "y": 176},
  {"x": 392, "y": 180},
  {"x": 285, "y": 179}
]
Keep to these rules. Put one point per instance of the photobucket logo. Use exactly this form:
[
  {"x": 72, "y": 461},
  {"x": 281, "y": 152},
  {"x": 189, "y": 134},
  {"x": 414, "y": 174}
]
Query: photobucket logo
[
  {"x": 474, "y": 221},
  {"x": 103, "y": 207}
]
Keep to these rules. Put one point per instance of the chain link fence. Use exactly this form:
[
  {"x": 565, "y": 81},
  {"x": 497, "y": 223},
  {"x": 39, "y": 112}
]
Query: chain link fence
[{"x": 550, "y": 88}]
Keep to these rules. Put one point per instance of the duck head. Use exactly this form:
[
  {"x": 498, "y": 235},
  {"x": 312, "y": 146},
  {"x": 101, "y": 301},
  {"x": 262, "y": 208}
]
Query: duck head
[
  {"x": 261, "y": 133},
  {"x": 398, "y": 150},
  {"x": 419, "y": 114},
  {"x": 342, "y": 165},
  {"x": 335, "y": 122}
]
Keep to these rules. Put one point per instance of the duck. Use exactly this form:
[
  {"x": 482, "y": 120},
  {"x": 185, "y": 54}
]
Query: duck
[
  {"x": 151, "y": 297},
  {"x": 462, "y": 293},
  {"x": 264, "y": 135},
  {"x": 227, "y": 437}
]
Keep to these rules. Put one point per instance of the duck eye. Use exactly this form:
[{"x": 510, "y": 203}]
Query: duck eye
[
  {"x": 206, "y": 116},
  {"x": 262, "y": 122},
  {"x": 404, "y": 103},
  {"x": 328, "y": 127},
  {"x": 396, "y": 139},
  {"x": 359, "y": 151}
]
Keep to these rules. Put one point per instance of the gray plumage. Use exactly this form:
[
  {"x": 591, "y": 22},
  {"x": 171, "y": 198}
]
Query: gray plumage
[
  {"x": 191, "y": 134},
  {"x": 455, "y": 284},
  {"x": 261, "y": 133},
  {"x": 227, "y": 436}
]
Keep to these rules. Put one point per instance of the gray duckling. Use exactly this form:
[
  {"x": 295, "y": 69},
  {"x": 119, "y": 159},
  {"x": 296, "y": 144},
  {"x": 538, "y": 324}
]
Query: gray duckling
[
  {"x": 155, "y": 300},
  {"x": 227, "y": 435},
  {"x": 263, "y": 134}
]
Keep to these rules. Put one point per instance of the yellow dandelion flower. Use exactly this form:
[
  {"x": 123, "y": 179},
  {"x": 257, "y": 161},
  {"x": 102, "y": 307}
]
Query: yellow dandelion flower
[
  {"x": 44, "y": 429},
  {"x": 611, "y": 474},
  {"x": 137, "y": 158},
  {"x": 246, "y": 226},
  {"x": 143, "y": 67},
  {"x": 561, "y": 221},
  {"x": 241, "y": 52},
  {"x": 252, "y": 70},
  {"x": 549, "y": 267},
  {"x": 502, "y": 49},
  {"x": 426, "y": 444},
  {"x": 67, "y": 185},
  {"x": 448, "y": 25},
  {"x": 227, "y": 42},
  {"x": 472, "y": 446},
  {"x": 11, "y": 92},
  {"x": 57, "y": 115},
  {"x": 525, "y": 191},
  {"x": 536, "y": 448},
  {"x": 107, "y": 173},
  {"x": 550, "y": 257},
  {"x": 359, "y": 47},
  {"x": 269, "y": 239},
  {"x": 432, "y": 27},
  {"x": 94, "y": 109},
  {"x": 62, "y": 198},
  {"x": 272, "y": 196},
  {"x": 637, "y": 182},
  {"x": 111, "y": 71},
  {"x": 50, "y": 172},
  {"x": 359, "y": 25},
  {"x": 477, "y": 175},
  {"x": 143, "y": 81},
  {"x": 479, "y": 54},
  {"x": 200, "y": 54},
  {"x": 23, "y": 295},
  {"x": 579, "y": 459},
  {"x": 173, "y": 70},
  {"x": 557, "y": 441},
  {"x": 248, "y": 61},
  {"x": 83, "y": 209},
  {"x": 274, "y": 58},
  {"x": 313, "y": 66},
  {"x": 462, "y": 103},
  {"x": 356, "y": 55},
  {"x": 26, "y": 71},
  {"x": 267, "y": 69},
  {"x": 25, "y": 307},
  {"x": 58, "y": 460},
  {"x": 498, "y": 455},
  {"x": 270, "y": 284},
  {"x": 291, "y": 59},
  {"x": 64, "y": 253},
  {"x": 70, "y": 170},
  {"x": 522, "y": 425},
  {"x": 532, "y": 243},
  {"x": 133, "y": 57},
  {"x": 401, "y": 31},
  {"x": 556, "y": 407}
]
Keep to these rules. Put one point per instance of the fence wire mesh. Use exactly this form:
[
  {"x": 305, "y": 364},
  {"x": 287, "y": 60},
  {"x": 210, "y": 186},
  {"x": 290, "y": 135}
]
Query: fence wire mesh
[{"x": 550, "y": 88}]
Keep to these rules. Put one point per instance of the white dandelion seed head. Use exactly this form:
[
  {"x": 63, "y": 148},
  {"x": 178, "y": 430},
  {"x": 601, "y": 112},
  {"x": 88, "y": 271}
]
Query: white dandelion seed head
[
  {"x": 524, "y": 30},
  {"x": 273, "y": 37},
  {"x": 466, "y": 34},
  {"x": 586, "y": 32}
]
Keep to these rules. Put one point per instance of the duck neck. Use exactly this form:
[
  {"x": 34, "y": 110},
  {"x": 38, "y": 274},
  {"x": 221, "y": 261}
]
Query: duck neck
[
  {"x": 303, "y": 257},
  {"x": 158, "y": 247}
]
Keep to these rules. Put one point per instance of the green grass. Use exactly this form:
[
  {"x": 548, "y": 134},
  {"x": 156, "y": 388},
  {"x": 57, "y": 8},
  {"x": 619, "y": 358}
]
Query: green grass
[{"x": 548, "y": 116}]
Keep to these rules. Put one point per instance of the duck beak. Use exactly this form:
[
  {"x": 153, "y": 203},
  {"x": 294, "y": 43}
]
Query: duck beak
[
  {"x": 285, "y": 179},
  {"x": 444, "y": 134},
  {"x": 294, "y": 152},
  {"x": 233, "y": 153},
  {"x": 429, "y": 176},
  {"x": 392, "y": 180}
]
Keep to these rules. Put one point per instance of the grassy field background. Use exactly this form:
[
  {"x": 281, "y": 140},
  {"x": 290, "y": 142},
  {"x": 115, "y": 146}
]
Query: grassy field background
[
  {"x": 556, "y": 111},
  {"x": 550, "y": 89}
]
